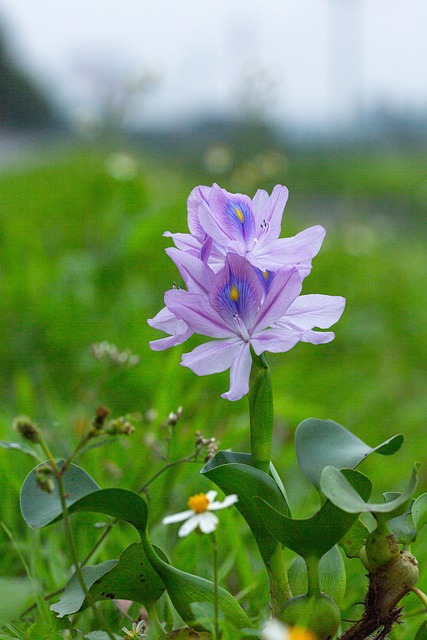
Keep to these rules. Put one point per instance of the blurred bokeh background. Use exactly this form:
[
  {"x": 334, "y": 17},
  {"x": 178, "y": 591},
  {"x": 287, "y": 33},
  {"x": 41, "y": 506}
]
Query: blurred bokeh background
[{"x": 110, "y": 113}]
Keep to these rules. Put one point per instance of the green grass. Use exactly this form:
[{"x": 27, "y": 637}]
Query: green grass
[{"x": 82, "y": 260}]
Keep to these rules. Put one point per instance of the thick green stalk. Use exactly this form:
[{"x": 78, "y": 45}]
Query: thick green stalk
[
  {"x": 280, "y": 590},
  {"x": 260, "y": 412}
]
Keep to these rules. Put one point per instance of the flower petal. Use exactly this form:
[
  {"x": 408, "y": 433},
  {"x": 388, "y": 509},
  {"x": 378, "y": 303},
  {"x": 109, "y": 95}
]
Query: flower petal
[
  {"x": 228, "y": 219},
  {"x": 195, "y": 273},
  {"x": 198, "y": 195},
  {"x": 289, "y": 251},
  {"x": 189, "y": 526},
  {"x": 284, "y": 289},
  {"x": 239, "y": 373},
  {"x": 315, "y": 310},
  {"x": 212, "y": 357},
  {"x": 186, "y": 242},
  {"x": 166, "y": 321},
  {"x": 269, "y": 209},
  {"x": 178, "y": 517},
  {"x": 211, "y": 495},
  {"x": 208, "y": 522},
  {"x": 236, "y": 291},
  {"x": 276, "y": 340},
  {"x": 227, "y": 502},
  {"x": 195, "y": 310}
]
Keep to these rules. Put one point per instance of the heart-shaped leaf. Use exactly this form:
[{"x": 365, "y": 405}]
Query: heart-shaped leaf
[
  {"x": 332, "y": 576},
  {"x": 40, "y": 508},
  {"x": 314, "y": 536},
  {"x": 130, "y": 578},
  {"x": 419, "y": 511},
  {"x": 183, "y": 588},
  {"x": 340, "y": 492},
  {"x": 402, "y": 526},
  {"x": 233, "y": 473},
  {"x": 320, "y": 443}
]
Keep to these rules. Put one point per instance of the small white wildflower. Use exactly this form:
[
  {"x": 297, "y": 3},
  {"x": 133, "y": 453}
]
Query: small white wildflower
[
  {"x": 137, "y": 632},
  {"x": 275, "y": 630},
  {"x": 199, "y": 515}
]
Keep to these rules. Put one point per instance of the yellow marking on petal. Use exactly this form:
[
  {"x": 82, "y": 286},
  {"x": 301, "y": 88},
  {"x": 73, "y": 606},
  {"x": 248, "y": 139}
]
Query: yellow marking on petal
[
  {"x": 265, "y": 274},
  {"x": 299, "y": 633},
  {"x": 234, "y": 294},
  {"x": 239, "y": 214},
  {"x": 199, "y": 503}
]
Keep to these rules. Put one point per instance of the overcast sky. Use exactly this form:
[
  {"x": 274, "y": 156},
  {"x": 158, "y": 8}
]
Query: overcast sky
[{"x": 303, "y": 61}]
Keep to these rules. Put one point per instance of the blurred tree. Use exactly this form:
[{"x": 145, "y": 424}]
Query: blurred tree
[{"x": 23, "y": 105}]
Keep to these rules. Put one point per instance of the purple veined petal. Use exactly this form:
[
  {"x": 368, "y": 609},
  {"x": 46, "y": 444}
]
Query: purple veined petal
[
  {"x": 315, "y": 310},
  {"x": 212, "y": 357},
  {"x": 178, "y": 517},
  {"x": 228, "y": 219},
  {"x": 288, "y": 251},
  {"x": 227, "y": 502},
  {"x": 169, "y": 323},
  {"x": 189, "y": 526},
  {"x": 208, "y": 522},
  {"x": 277, "y": 340},
  {"x": 198, "y": 195},
  {"x": 239, "y": 374},
  {"x": 196, "y": 274},
  {"x": 186, "y": 242},
  {"x": 236, "y": 294},
  {"x": 195, "y": 310},
  {"x": 284, "y": 289},
  {"x": 268, "y": 212}
]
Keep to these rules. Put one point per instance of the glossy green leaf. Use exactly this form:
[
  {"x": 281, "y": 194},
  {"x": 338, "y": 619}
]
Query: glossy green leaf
[
  {"x": 183, "y": 588},
  {"x": 340, "y": 492},
  {"x": 419, "y": 511},
  {"x": 233, "y": 473},
  {"x": 314, "y": 536},
  {"x": 422, "y": 632},
  {"x": 402, "y": 526},
  {"x": 40, "y": 508},
  {"x": 354, "y": 539},
  {"x": 332, "y": 576},
  {"x": 320, "y": 443},
  {"x": 130, "y": 578},
  {"x": 20, "y": 446}
]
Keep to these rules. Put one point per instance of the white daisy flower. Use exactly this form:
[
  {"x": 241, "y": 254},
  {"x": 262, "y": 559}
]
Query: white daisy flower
[
  {"x": 275, "y": 630},
  {"x": 137, "y": 632},
  {"x": 199, "y": 515}
]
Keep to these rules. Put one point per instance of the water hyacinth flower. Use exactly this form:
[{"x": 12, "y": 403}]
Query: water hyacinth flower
[
  {"x": 275, "y": 630},
  {"x": 245, "y": 308},
  {"x": 221, "y": 222},
  {"x": 200, "y": 515}
]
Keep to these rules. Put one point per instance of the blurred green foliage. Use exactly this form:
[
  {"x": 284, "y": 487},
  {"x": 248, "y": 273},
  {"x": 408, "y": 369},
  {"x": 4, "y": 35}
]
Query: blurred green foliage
[{"x": 82, "y": 261}]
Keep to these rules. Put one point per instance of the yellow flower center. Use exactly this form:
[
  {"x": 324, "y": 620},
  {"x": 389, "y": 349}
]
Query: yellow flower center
[
  {"x": 265, "y": 274},
  {"x": 234, "y": 294},
  {"x": 299, "y": 633},
  {"x": 199, "y": 503},
  {"x": 240, "y": 215}
]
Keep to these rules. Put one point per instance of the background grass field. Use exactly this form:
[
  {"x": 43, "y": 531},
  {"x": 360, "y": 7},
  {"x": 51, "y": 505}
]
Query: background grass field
[{"x": 82, "y": 261}]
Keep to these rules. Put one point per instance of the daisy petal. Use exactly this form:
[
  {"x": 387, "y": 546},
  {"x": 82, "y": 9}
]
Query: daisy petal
[
  {"x": 178, "y": 517},
  {"x": 227, "y": 502},
  {"x": 189, "y": 526},
  {"x": 211, "y": 495},
  {"x": 208, "y": 522}
]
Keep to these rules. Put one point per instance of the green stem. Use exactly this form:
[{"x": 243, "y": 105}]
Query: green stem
[
  {"x": 280, "y": 590},
  {"x": 215, "y": 581},
  {"x": 312, "y": 563},
  {"x": 260, "y": 412},
  {"x": 154, "y": 620},
  {"x": 58, "y": 473}
]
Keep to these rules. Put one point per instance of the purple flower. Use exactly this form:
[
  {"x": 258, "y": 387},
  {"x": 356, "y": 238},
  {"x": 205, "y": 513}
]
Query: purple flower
[
  {"x": 243, "y": 308},
  {"x": 221, "y": 222}
]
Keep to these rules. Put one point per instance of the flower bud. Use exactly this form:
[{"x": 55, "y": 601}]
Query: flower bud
[
  {"x": 26, "y": 428},
  {"x": 318, "y": 613}
]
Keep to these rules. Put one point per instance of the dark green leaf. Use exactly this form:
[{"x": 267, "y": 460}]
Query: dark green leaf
[
  {"x": 40, "y": 508},
  {"x": 402, "y": 526},
  {"x": 130, "y": 578},
  {"x": 422, "y": 632},
  {"x": 419, "y": 511},
  {"x": 338, "y": 490},
  {"x": 314, "y": 536},
  {"x": 233, "y": 473},
  {"x": 332, "y": 576},
  {"x": 320, "y": 443}
]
